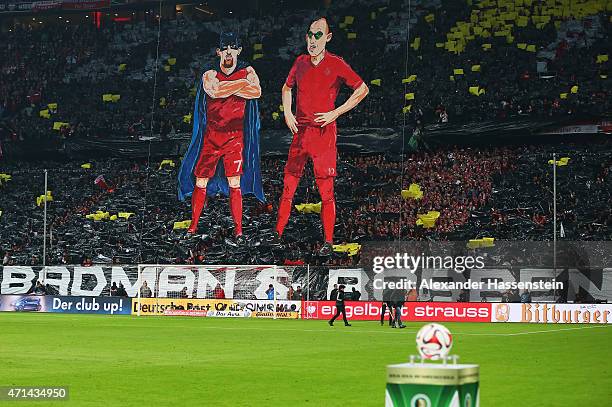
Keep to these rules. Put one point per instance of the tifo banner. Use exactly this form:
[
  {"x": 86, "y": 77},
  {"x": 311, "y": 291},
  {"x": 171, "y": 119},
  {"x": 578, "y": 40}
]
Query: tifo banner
[
  {"x": 217, "y": 308},
  {"x": 68, "y": 305},
  {"x": 548, "y": 313},
  {"x": 411, "y": 311},
  {"x": 316, "y": 283}
]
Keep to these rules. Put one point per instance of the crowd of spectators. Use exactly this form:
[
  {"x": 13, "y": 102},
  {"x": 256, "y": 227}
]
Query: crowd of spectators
[
  {"x": 502, "y": 192},
  {"x": 73, "y": 65}
]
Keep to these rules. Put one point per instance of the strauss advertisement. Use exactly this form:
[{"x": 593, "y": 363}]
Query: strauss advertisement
[{"x": 412, "y": 311}]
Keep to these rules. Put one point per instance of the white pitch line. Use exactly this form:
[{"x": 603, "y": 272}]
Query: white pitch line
[
  {"x": 535, "y": 332},
  {"x": 342, "y": 329},
  {"x": 386, "y": 331}
]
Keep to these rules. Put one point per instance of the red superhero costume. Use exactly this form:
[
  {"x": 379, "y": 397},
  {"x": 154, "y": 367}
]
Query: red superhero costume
[
  {"x": 317, "y": 89},
  {"x": 223, "y": 137}
]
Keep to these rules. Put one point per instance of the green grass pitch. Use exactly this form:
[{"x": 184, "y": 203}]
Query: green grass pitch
[{"x": 182, "y": 361}]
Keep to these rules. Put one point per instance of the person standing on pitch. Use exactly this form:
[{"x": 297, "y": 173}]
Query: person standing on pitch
[
  {"x": 318, "y": 77},
  {"x": 340, "y": 307},
  {"x": 333, "y": 296}
]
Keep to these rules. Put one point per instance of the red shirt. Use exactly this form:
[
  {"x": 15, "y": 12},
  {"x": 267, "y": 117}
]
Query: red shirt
[
  {"x": 219, "y": 294},
  {"x": 318, "y": 85},
  {"x": 226, "y": 114}
]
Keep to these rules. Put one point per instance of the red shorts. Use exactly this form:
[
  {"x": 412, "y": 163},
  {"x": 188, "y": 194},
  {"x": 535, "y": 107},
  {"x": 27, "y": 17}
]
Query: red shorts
[
  {"x": 217, "y": 144},
  {"x": 316, "y": 143}
]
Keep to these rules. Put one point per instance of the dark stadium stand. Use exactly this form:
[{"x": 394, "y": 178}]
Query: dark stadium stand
[{"x": 542, "y": 71}]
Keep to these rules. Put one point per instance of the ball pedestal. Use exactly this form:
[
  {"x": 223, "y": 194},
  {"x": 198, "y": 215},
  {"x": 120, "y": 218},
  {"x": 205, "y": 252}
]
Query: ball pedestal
[{"x": 420, "y": 384}]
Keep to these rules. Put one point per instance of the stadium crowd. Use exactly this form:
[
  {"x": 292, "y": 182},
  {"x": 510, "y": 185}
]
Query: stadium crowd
[
  {"x": 478, "y": 191},
  {"x": 73, "y": 65},
  {"x": 503, "y": 192}
]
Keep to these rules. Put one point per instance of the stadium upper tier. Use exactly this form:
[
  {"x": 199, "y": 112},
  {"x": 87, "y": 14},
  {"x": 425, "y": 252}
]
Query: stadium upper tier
[{"x": 488, "y": 60}]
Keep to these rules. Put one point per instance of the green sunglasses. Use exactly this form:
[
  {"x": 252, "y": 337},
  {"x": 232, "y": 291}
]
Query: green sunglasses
[{"x": 317, "y": 35}]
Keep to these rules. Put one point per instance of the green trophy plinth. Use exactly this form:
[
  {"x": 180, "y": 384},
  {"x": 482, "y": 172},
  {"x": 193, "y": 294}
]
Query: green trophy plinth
[{"x": 432, "y": 385}]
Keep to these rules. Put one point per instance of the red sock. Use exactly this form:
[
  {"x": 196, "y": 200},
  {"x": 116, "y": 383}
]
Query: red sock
[
  {"x": 328, "y": 207},
  {"x": 284, "y": 206},
  {"x": 198, "y": 199},
  {"x": 235, "y": 201}
]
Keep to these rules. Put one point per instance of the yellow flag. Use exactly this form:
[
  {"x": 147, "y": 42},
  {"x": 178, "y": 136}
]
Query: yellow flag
[
  {"x": 44, "y": 114},
  {"x": 257, "y": 56},
  {"x": 275, "y": 116},
  {"x": 59, "y": 125},
  {"x": 164, "y": 163},
  {"x": 258, "y": 47},
  {"x": 601, "y": 58},
  {"x": 171, "y": 61},
  {"x": 115, "y": 98},
  {"x": 430, "y": 17},
  {"x": 409, "y": 96},
  {"x": 474, "y": 90},
  {"x": 122, "y": 67},
  {"x": 486, "y": 46},
  {"x": 407, "y": 109},
  {"x": 458, "y": 71},
  {"x": 107, "y": 97},
  {"x": 348, "y": 20},
  {"x": 52, "y": 106},
  {"x": 167, "y": 68},
  {"x": 182, "y": 225},
  {"x": 351, "y": 36},
  {"x": 563, "y": 161},
  {"x": 187, "y": 118},
  {"x": 86, "y": 166},
  {"x": 309, "y": 208},
  {"x": 482, "y": 242},
  {"x": 531, "y": 48},
  {"x": 563, "y": 95},
  {"x": 574, "y": 89},
  {"x": 413, "y": 191},
  {"x": 375, "y": 82},
  {"x": 409, "y": 79},
  {"x": 352, "y": 249}
]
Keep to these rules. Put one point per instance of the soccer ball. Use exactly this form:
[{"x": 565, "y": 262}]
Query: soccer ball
[{"x": 434, "y": 341}]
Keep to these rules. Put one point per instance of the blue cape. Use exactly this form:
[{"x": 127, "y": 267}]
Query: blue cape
[{"x": 250, "y": 180}]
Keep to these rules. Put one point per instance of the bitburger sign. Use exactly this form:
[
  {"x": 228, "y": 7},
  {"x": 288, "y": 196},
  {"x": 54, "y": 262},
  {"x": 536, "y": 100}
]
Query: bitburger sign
[{"x": 548, "y": 313}]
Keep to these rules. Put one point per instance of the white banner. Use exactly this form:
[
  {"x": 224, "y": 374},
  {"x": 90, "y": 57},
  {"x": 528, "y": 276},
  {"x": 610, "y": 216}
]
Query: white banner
[{"x": 550, "y": 313}]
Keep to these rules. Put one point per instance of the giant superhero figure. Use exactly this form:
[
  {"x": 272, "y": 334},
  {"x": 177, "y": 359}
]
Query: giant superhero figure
[
  {"x": 317, "y": 78},
  {"x": 226, "y": 129}
]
